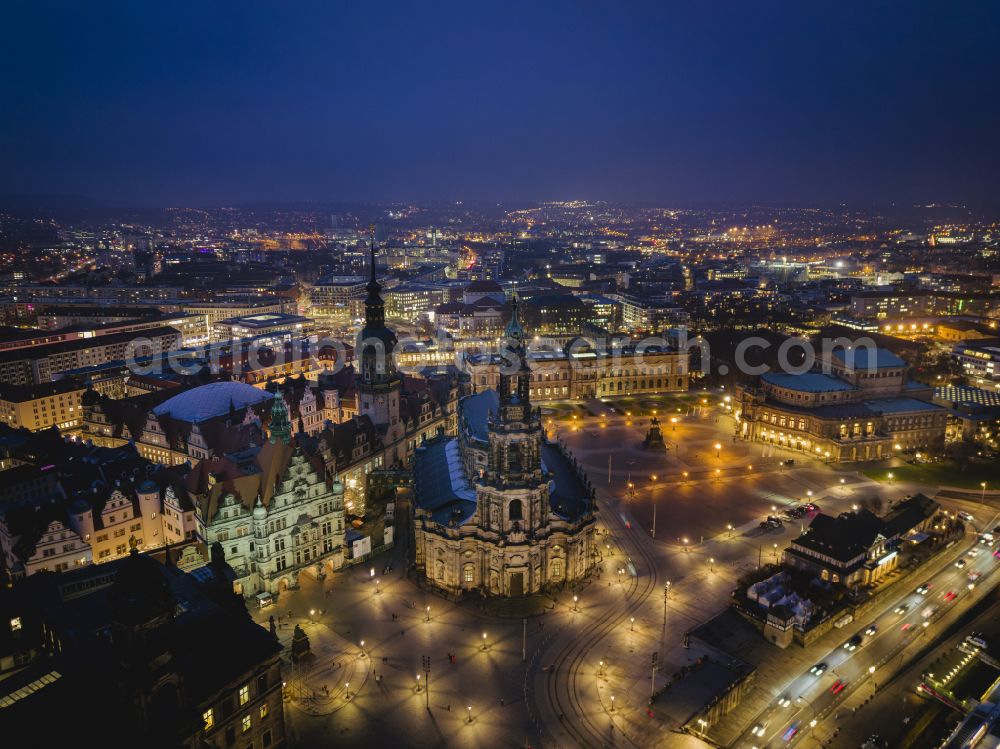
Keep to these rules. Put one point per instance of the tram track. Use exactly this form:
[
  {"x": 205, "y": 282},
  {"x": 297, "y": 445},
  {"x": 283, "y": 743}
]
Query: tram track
[{"x": 563, "y": 679}]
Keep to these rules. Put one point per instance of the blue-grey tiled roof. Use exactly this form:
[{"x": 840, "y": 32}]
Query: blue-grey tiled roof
[
  {"x": 900, "y": 405},
  {"x": 866, "y": 358},
  {"x": 440, "y": 486},
  {"x": 568, "y": 497},
  {"x": 476, "y": 408},
  {"x": 809, "y": 382}
]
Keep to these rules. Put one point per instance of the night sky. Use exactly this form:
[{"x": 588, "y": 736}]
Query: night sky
[{"x": 679, "y": 103}]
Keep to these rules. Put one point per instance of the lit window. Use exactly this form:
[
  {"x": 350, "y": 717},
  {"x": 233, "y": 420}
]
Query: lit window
[
  {"x": 209, "y": 717},
  {"x": 263, "y": 711},
  {"x": 244, "y": 694},
  {"x": 246, "y": 723},
  {"x": 15, "y": 624}
]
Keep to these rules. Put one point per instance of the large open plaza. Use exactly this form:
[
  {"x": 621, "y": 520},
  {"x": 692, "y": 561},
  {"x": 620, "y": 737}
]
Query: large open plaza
[{"x": 513, "y": 674}]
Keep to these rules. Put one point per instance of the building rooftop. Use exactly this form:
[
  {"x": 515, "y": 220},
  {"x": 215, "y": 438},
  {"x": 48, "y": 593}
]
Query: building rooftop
[
  {"x": 808, "y": 382},
  {"x": 900, "y": 405},
  {"x": 865, "y": 358},
  {"x": 208, "y": 401},
  {"x": 22, "y": 393},
  {"x": 968, "y": 395},
  {"x": 265, "y": 320}
]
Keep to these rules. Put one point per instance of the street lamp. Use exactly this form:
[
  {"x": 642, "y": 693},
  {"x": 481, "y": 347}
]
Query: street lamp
[
  {"x": 362, "y": 648},
  {"x": 685, "y": 543},
  {"x": 484, "y": 641},
  {"x": 729, "y": 527},
  {"x": 418, "y": 684},
  {"x": 469, "y": 709},
  {"x": 718, "y": 450},
  {"x": 347, "y": 690},
  {"x": 428, "y": 617},
  {"x": 371, "y": 572},
  {"x": 575, "y": 600},
  {"x": 890, "y": 475},
  {"x": 601, "y": 665},
  {"x": 612, "y": 703},
  {"x": 711, "y": 564},
  {"x": 982, "y": 499},
  {"x": 632, "y": 624}
]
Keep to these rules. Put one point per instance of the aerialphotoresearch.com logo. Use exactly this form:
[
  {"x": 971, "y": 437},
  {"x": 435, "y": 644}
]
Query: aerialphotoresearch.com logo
[{"x": 258, "y": 359}]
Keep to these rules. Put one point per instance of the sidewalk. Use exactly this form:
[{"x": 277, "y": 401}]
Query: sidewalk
[{"x": 327, "y": 681}]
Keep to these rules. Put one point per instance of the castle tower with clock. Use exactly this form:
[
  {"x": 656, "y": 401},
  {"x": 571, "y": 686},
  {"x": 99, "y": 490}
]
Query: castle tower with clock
[{"x": 380, "y": 385}]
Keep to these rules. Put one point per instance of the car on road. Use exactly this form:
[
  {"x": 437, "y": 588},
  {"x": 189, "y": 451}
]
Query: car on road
[
  {"x": 758, "y": 730},
  {"x": 961, "y": 563},
  {"x": 854, "y": 643},
  {"x": 973, "y": 552},
  {"x": 784, "y": 701},
  {"x": 906, "y": 627},
  {"x": 924, "y": 589},
  {"x": 902, "y": 609},
  {"x": 871, "y": 630},
  {"x": 838, "y": 687},
  {"x": 929, "y": 612},
  {"x": 818, "y": 669},
  {"x": 976, "y": 639},
  {"x": 790, "y": 733},
  {"x": 966, "y": 517},
  {"x": 950, "y": 596}
]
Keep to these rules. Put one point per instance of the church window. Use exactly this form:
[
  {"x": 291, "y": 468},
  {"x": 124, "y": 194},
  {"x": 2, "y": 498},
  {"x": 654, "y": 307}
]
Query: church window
[
  {"x": 557, "y": 568},
  {"x": 468, "y": 573},
  {"x": 514, "y": 510}
]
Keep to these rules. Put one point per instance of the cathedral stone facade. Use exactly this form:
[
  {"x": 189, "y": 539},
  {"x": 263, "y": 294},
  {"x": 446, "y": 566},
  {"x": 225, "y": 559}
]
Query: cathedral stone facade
[{"x": 498, "y": 509}]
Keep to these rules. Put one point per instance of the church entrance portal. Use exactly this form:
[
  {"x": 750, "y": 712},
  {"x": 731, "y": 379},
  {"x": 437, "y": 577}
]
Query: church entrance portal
[{"x": 516, "y": 584}]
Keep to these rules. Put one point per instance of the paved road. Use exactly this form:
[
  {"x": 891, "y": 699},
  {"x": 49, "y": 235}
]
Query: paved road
[{"x": 816, "y": 697}]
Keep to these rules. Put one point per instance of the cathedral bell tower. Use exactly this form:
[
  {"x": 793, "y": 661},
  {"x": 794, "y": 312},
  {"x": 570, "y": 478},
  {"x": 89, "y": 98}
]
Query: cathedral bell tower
[
  {"x": 515, "y": 432},
  {"x": 379, "y": 385}
]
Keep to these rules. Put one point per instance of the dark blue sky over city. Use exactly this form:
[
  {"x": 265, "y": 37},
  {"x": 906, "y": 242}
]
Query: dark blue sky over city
[{"x": 681, "y": 103}]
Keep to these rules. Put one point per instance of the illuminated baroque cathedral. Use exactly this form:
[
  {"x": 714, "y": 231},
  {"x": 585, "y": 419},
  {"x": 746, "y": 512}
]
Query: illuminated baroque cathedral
[{"x": 498, "y": 509}]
